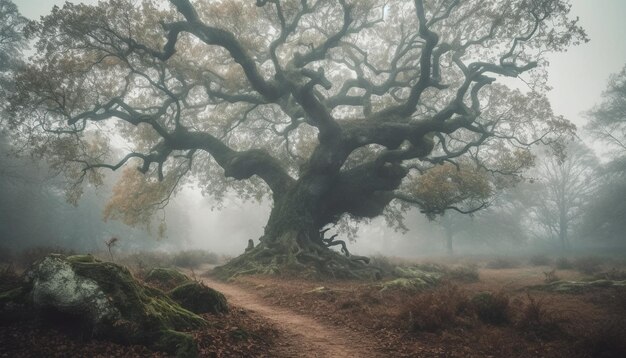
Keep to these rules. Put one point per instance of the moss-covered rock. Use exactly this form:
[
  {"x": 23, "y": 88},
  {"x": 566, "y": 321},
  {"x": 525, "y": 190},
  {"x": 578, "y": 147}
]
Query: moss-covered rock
[
  {"x": 166, "y": 278},
  {"x": 430, "y": 277},
  {"x": 112, "y": 303},
  {"x": 579, "y": 286},
  {"x": 412, "y": 278},
  {"x": 199, "y": 298},
  {"x": 82, "y": 258},
  {"x": 404, "y": 284}
]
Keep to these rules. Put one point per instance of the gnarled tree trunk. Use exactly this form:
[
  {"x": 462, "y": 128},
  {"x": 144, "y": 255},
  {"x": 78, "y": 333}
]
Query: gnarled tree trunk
[{"x": 293, "y": 241}]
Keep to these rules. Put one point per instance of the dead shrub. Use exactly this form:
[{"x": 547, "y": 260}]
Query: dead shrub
[
  {"x": 537, "y": 320},
  {"x": 492, "y": 307},
  {"x": 435, "y": 310},
  {"x": 550, "y": 276}
]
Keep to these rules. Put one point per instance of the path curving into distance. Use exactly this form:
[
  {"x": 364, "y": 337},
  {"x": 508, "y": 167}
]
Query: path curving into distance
[{"x": 301, "y": 336}]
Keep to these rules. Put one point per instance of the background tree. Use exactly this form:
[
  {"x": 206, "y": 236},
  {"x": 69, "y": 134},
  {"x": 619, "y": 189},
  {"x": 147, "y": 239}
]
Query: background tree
[
  {"x": 607, "y": 120},
  {"x": 462, "y": 187},
  {"x": 604, "y": 218},
  {"x": 327, "y": 106},
  {"x": 501, "y": 224},
  {"x": 12, "y": 42},
  {"x": 603, "y": 221},
  {"x": 34, "y": 212},
  {"x": 565, "y": 184}
]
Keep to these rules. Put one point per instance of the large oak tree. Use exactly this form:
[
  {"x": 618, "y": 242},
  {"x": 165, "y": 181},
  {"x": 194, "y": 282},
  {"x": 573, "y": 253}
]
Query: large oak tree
[{"x": 332, "y": 108}]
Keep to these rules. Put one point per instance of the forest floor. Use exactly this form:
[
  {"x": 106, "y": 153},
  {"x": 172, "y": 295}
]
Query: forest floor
[
  {"x": 338, "y": 318},
  {"x": 295, "y": 317}
]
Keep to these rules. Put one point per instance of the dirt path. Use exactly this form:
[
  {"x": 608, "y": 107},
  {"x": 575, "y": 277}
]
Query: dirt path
[{"x": 301, "y": 336}]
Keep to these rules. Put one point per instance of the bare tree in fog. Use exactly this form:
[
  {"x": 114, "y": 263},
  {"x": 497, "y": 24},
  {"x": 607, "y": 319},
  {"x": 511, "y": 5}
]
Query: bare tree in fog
[
  {"x": 329, "y": 107},
  {"x": 565, "y": 184},
  {"x": 607, "y": 121},
  {"x": 604, "y": 218}
]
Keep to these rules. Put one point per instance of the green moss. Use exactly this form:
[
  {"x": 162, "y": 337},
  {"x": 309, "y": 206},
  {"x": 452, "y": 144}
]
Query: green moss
[
  {"x": 404, "y": 284},
  {"x": 199, "y": 298},
  {"x": 166, "y": 277},
  {"x": 579, "y": 286},
  {"x": 82, "y": 258},
  {"x": 430, "y": 277},
  {"x": 135, "y": 301}
]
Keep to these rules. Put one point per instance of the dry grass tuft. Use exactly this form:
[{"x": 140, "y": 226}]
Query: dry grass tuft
[
  {"x": 435, "y": 310},
  {"x": 536, "y": 319},
  {"x": 492, "y": 307}
]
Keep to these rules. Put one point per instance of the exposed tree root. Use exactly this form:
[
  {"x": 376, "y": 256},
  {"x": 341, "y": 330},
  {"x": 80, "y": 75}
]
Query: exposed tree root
[{"x": 291, "y": 254}]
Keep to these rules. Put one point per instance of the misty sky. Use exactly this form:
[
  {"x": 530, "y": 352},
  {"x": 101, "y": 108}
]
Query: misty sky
[{"x": 578, "y": 78}]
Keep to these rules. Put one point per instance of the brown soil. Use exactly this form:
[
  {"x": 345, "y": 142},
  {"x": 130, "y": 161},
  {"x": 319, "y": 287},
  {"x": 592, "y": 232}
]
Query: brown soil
[
  {"x": 300, "y": 335},
  {"x": 357, "y": 319}
]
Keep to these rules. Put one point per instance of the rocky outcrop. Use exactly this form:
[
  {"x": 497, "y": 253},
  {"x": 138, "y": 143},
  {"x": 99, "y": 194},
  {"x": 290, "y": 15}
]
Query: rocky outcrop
[
  {"x": 112, "y": 303},
  {"x": 199, "y": 298},
  {"x": 166, "y": 278}
]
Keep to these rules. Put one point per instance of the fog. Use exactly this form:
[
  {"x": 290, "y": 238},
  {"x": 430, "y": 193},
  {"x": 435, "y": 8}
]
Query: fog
[
  {"x": 34, "y": 213},
  {"x": 578, "y": 78}
]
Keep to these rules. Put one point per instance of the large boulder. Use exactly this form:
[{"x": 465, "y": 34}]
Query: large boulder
[
  {"x": 166, "y": 278},
  {"x": 199, "y": 298},
  {"x": 109, "y": 301}
]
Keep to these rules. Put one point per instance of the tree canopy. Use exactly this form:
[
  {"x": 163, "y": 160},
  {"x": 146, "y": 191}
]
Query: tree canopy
[{"x": 331, "y": 107}]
